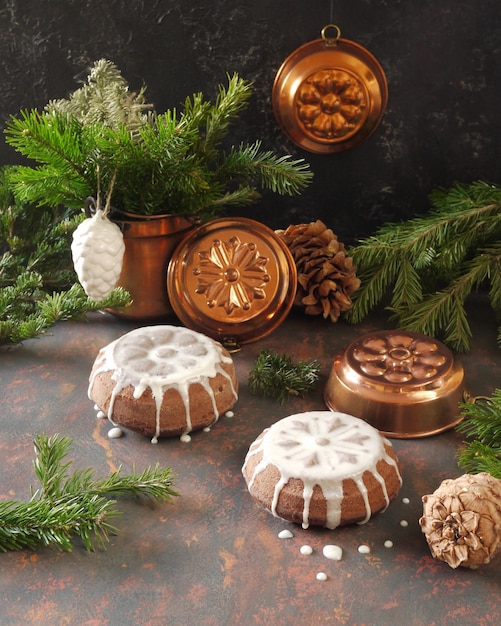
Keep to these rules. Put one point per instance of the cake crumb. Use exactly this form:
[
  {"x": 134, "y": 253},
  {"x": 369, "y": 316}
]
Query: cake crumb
[
  {"x": 321, "y": 576},
  {"x": 306, "y": 550},
  {"x": 388, "y": 543},
  {"x": 335, "y": 553},
  {"x": 285, "y": 534},
  {"x": 115, "y": 433},
  {"x": 364, "y": 549}
]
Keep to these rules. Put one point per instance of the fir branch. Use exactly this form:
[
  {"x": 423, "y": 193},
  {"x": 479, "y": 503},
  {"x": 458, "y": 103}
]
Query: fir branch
[
  {"x": 424, "y": 269},
  {"x": 278, "y": 376},
  {"x": 26, "y": 311},
  {"x": 280, "y": 174},
  {"x": 482, "y": 428},
  {"x": 164, "y": 163},
  {"x": 76, "y": 505}
]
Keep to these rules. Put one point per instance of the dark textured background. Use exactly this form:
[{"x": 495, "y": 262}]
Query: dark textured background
[{"x": 441, "y": 59}]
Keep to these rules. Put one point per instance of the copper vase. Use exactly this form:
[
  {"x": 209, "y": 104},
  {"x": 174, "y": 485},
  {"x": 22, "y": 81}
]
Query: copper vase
[{"x": 149, "y": 244}]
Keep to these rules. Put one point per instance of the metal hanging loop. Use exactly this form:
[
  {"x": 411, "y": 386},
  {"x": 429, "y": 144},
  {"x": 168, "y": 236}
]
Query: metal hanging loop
[{"x": 331, "y": 41}]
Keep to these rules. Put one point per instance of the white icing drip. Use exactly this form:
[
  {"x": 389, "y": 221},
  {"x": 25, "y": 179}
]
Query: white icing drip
[
  {"x": 161, "y": 358},
  {"x": 335, "y": 553},
  {"x": 322, "y": 448}
]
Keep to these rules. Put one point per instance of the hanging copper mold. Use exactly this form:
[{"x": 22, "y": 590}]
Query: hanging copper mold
[{"x": 330, "y": 94}]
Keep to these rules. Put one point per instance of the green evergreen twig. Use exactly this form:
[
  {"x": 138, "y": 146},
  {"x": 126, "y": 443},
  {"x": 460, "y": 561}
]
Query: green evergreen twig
[
  {"x": 172, "y": 162},
  {"x": 77, "y": 505},
  {"x": 482, "y": 428},
  {"x": 424, "y": 269},
  {"x": 278, "y": 376}
]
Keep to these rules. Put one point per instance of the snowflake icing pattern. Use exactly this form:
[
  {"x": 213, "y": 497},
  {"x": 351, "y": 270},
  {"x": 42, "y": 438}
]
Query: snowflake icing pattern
[{"x": 328, "y": 443}]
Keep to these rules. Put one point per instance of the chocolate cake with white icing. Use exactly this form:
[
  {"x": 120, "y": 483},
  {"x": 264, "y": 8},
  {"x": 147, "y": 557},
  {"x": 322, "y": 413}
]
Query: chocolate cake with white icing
[
  {"x": 322, "y": 468},
  {"x": 163, "y": 381}
]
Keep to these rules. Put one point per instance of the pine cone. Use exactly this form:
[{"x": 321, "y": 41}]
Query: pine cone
[
  {"x": 98, "y": 249},
  {"x": 462, "y": 520},
  {"x": 326, "y": 276}
]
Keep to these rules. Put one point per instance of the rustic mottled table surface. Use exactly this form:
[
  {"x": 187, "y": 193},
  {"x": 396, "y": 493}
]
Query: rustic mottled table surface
[{"x": 212, "y": 556}]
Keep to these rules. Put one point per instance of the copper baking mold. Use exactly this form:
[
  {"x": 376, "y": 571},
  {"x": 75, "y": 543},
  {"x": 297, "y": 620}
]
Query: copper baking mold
[
  {"x": 232, "y": 279},
  {"x": 330, "y": 94},
  {"x": 404, "y": 384}
]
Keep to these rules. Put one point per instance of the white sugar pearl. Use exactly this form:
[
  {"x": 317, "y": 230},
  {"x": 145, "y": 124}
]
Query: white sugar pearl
[
  {"x": 185, "y": 438},
  {"x": 100, "y": 415},
  {"x": 363, "y": 549},
  {"x": 405, "y": 500},
  {"x": 321, "y": 576},
  {"x": 335, "y": 553},
  {"x": 285, "y": 534},
  {"x": 229, "y": 414},
  {"x": 404, "y": 523},
  {"x": 306, "y": 550},
  {"x": 206, "y": 429},
  {"x": 115, "y": 433},
  {"x": 388, "y": 543}
]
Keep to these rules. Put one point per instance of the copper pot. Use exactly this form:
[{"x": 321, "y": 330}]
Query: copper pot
[
  {"x": 330, "y": 94},
  {"x": 149, "y": 244},
  {"x": 404, "y": 384}
]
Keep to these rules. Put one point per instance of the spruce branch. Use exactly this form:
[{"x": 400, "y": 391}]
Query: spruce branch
[
  {"x": 424, "y": 270},
  {"x": 482, "y": 428},
  {"x": 279, "y": 376},
  {"x": 172, "y": 162},
  {"x": 67, "y": 506}
]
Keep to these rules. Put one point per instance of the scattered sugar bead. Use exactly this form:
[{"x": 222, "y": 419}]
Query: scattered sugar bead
[
  {"x": 405, "y": 500},
  {"x": 115, "y": 433},
  {"x": 207, "y": 429},
  {"x": 404, "y": 523},
  {"x": 388, "y": 543},
  {"x": 321, "y": 576},
  {"x": 185, "y": 438},
  {"x": 364, "y": 549},
  {"x": 100, "y": 415},
  {"x": 306, "y": 550},
  {"x": 285, "y": 534},
  {"x": 335, "y": 553},
  {"x": 229, "y": 414}
]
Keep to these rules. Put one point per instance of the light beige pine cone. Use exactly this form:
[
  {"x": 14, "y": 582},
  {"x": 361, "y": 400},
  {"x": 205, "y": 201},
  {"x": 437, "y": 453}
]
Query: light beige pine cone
[
  {"x": 326, "y": 275},
  {"x": 462, "y": 520}
]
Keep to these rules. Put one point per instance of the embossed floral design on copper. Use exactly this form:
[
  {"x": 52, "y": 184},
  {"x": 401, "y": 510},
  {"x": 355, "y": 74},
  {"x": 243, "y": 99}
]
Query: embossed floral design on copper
[
  {"x": 231, "y": 274},
  {"x": 400, "y": 358},
  {"x": 331, "y": 104}
]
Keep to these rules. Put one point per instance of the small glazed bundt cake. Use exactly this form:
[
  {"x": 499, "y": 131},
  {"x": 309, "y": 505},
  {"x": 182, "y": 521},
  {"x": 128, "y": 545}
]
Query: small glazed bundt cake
[
  {"x": 322, "y": 468},
  {"x": 163, "y": 381}
]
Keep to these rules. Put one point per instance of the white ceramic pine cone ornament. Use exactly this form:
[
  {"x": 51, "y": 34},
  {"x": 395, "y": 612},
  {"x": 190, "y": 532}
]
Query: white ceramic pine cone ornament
[{"x": 98, "y": 249}]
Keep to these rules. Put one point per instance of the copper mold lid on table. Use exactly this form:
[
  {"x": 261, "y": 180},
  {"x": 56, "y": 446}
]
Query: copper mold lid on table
[
  {"x": 330, "y": 94},
  {"x": 232, "y": 279},
  {"x": 404, "y": 384}
]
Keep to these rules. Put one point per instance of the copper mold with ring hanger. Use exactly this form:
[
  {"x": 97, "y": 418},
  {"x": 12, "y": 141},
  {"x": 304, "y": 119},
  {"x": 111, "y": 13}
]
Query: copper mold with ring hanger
[
  {"x": 330, "y": 94},
  {"x": 232, "y": 279}
]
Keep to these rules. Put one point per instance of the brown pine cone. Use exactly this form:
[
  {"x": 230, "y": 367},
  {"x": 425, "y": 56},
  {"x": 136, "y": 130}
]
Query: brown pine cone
[
  {"x": 326, "y": 276},
  {"x": 462, "y": 520}
]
